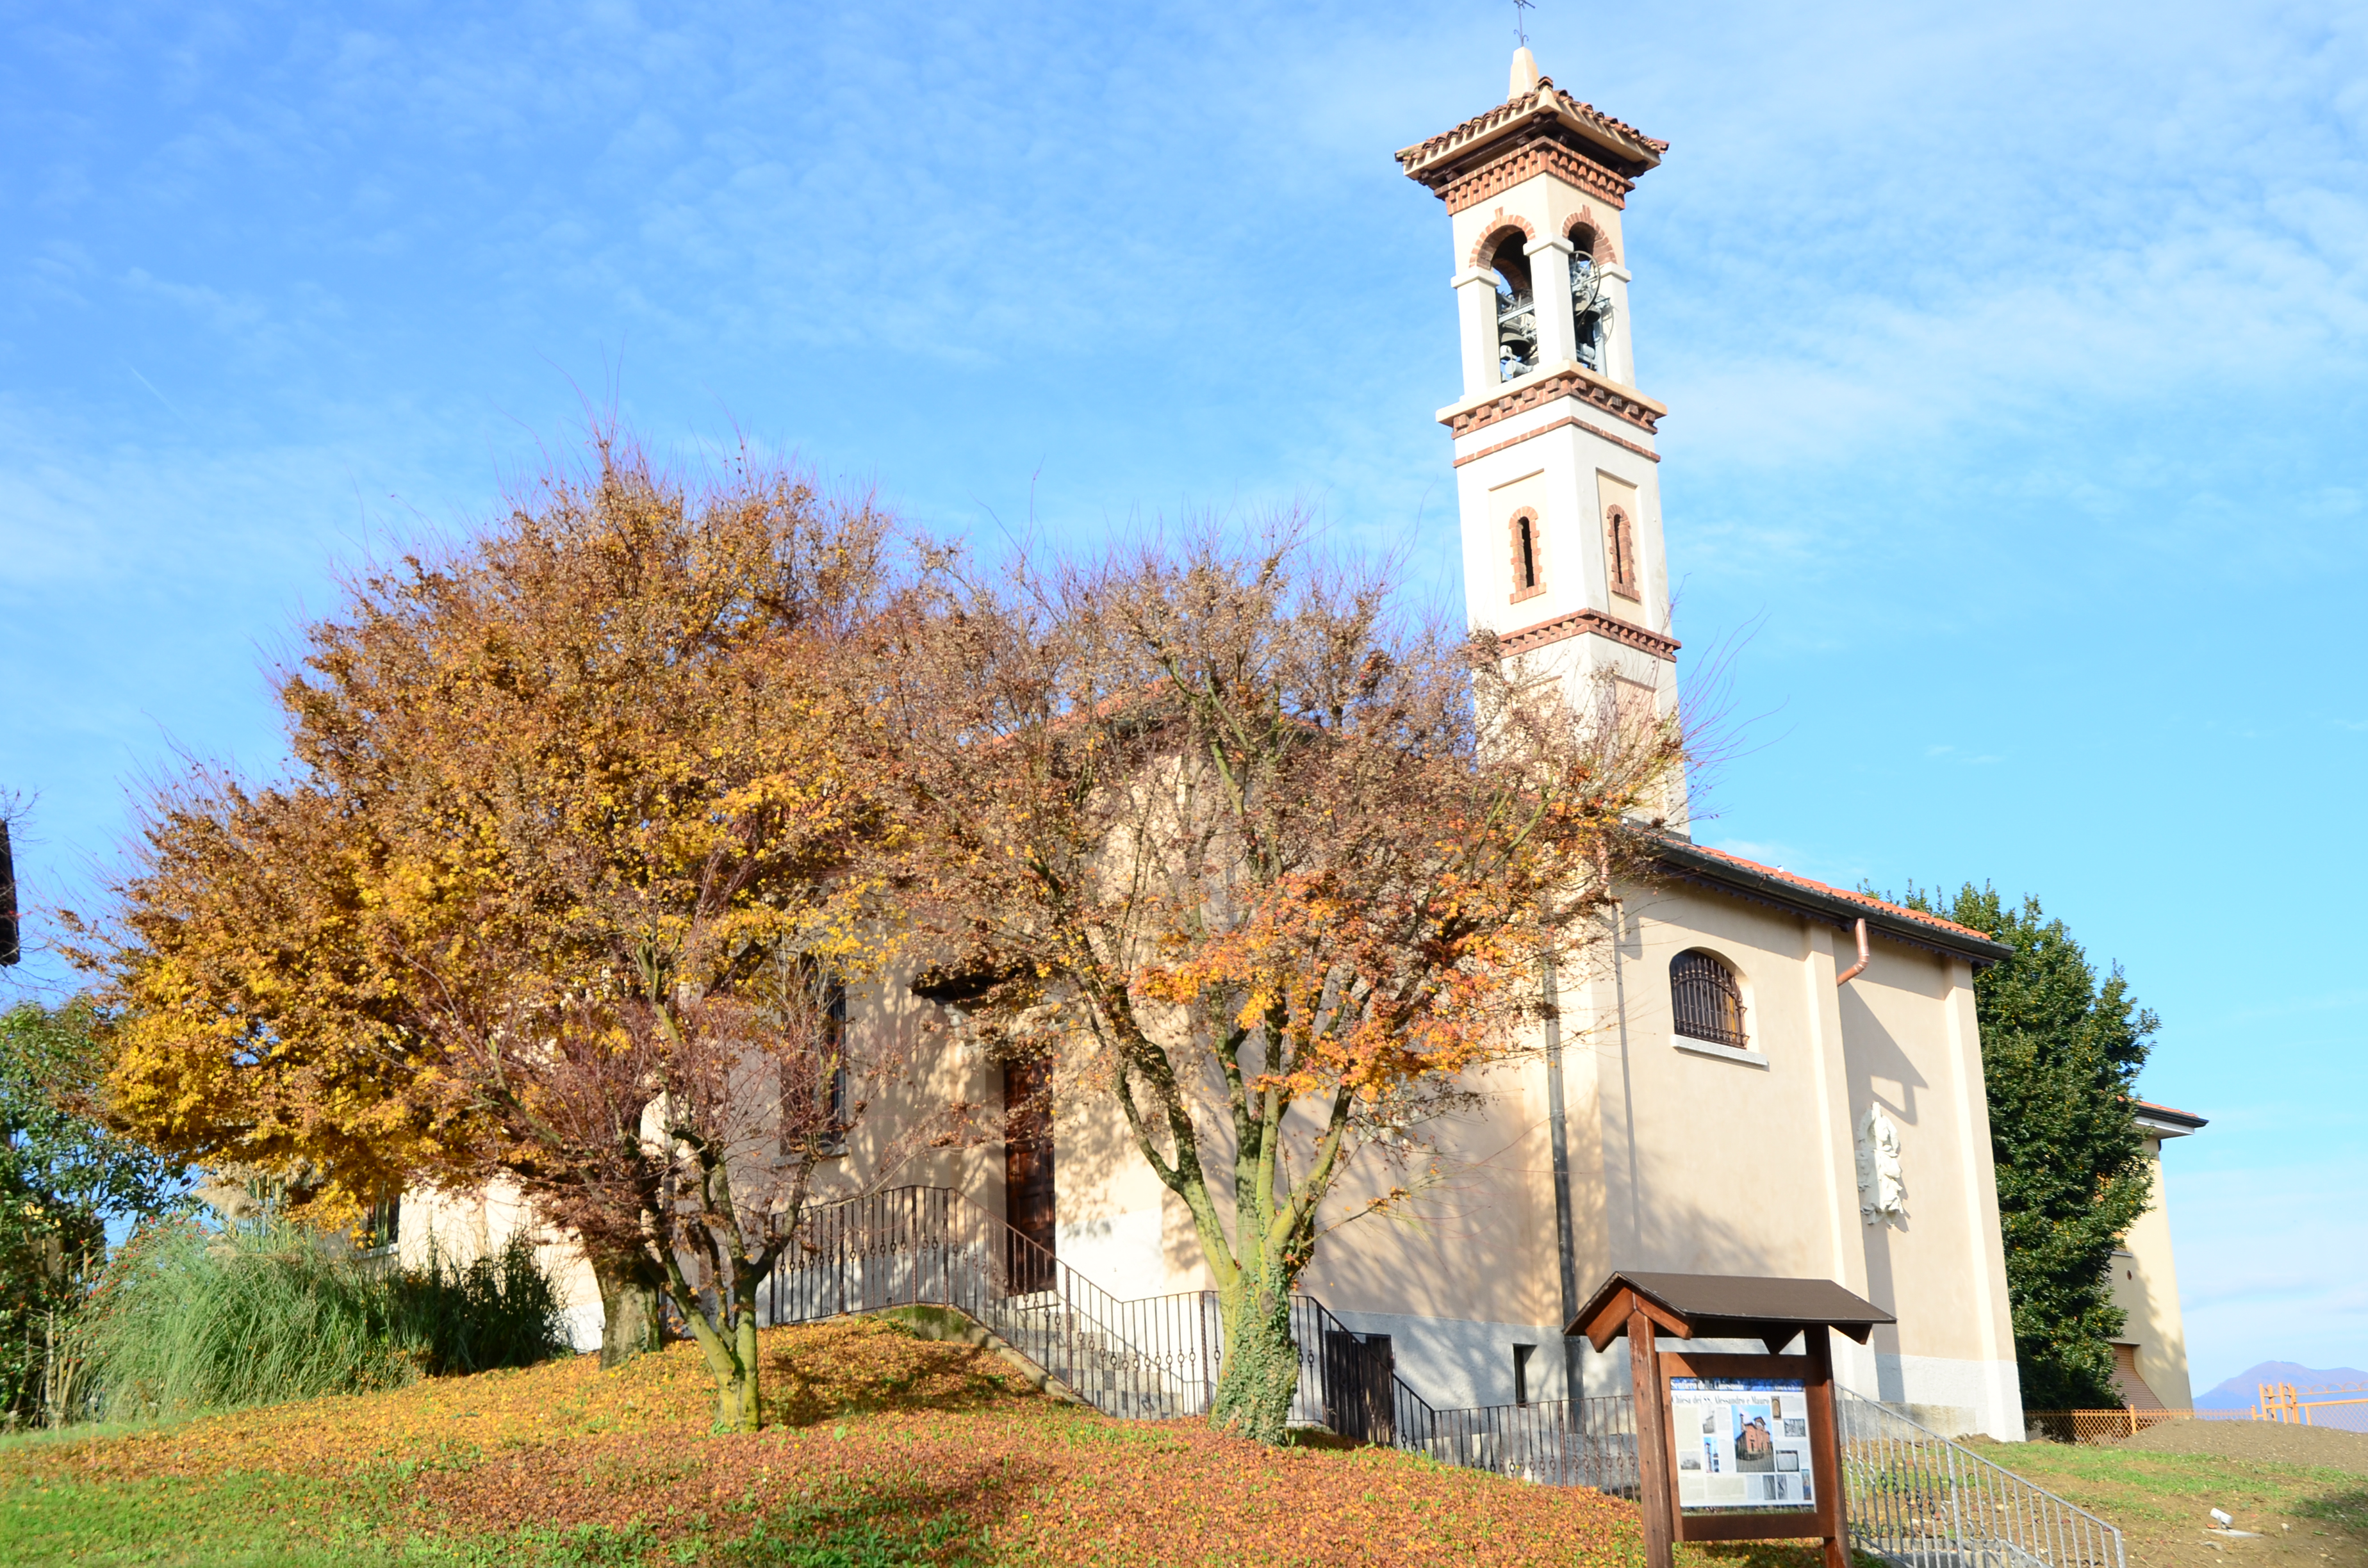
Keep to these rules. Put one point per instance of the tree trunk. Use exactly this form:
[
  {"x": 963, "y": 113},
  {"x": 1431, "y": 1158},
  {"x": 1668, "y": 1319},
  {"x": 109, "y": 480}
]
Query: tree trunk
[
  {"x": 630, "y": 1322},
  {"x": 727, "y": 1338},
  {"x": 1261, "y": 1370},
  {"x": 747, "y": 1413},
  {"x": 735, "y": 1402}
]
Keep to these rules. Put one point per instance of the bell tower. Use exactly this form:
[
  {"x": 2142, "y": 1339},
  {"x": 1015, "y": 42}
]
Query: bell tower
[{"x": 1554, "y": 465}]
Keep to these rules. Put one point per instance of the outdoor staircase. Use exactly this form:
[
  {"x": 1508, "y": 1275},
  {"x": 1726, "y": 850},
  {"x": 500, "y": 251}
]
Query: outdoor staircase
[{"x": 1915, "y": 1498}]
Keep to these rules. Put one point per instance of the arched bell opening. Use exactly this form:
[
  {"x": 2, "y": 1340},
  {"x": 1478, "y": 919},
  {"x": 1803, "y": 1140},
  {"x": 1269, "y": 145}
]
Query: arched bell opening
[
  {"x": 1590, "y": 304},
  {"x": 1517, "y": 314}
]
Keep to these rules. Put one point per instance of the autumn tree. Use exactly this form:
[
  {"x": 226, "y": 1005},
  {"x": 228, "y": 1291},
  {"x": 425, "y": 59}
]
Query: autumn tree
[
  {"x": 554, "y": 895},
  {"x": 1269, "y": 869}
]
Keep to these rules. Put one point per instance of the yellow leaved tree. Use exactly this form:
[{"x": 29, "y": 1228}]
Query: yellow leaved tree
[{"x": 557, "y": 893}]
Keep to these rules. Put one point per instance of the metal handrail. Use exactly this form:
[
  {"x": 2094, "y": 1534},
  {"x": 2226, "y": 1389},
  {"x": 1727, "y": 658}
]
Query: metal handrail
[
  {"x": 1919, "y": 1500},
  {"x": 1552, "y": 1442},
  {"x": 1150, "y": 1357},
  {"x": 931, "y": 1246}
]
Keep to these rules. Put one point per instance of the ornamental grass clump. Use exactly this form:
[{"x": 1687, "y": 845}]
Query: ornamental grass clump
[{"x": 191, "y": 1319}]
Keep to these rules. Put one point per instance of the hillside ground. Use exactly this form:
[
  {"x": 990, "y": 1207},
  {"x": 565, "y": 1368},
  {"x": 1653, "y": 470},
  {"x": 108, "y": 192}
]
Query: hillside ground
[
  {"x": 882, "y": 1449},
  {"x": 2301, "y": 1494}
]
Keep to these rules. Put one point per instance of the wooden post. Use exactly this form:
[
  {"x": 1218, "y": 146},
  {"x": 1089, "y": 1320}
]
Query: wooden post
[
  {"x": 1655, "y": 1488},
  {"x": 1825, "y": 1445}
]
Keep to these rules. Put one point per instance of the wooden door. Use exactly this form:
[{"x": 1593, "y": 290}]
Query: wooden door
[{"x": 1028, "y": 1175}]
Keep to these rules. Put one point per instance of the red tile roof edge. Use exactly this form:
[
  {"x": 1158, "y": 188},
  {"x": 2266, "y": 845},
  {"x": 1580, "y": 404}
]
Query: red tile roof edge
[
  {"x": 2170, "y": 1110},
  {"x": 1865, "y": 900},
  {"x": 1488, "y": 118}
]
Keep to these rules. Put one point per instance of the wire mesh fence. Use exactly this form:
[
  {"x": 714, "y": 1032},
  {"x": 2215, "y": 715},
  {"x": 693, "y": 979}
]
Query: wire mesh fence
[{"x": 2099, "y": 1425}]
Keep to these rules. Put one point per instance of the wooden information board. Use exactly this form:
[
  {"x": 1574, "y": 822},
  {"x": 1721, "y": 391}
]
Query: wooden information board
[{"x": 1761, "y": 1457}]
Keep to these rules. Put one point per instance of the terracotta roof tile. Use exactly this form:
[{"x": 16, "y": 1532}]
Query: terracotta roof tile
[
  {"x": 2168, "y": 1111},
  {"x": 1421, "y": 153},
  {"x": 1866, "y": 901}
]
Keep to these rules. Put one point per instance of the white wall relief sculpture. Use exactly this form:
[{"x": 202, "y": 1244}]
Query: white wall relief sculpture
[{"x": 1881, "y": 1194}]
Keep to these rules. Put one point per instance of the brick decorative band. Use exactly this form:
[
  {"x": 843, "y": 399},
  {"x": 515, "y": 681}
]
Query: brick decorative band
[
  {"x": 1567, "y": 419},
  {"x": 1565, "y": 383},
  {"x": 1500, "y": 174},
  {"x": 1580, "y": 622}
]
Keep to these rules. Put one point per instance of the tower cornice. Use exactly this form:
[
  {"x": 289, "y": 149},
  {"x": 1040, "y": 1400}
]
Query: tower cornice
[
  {"x": 1513, "y": 162},
  {"x": 1567, "y": 379},
  {"x": 1527, "y": 135},
  {"x": 1587, "y": 622}
]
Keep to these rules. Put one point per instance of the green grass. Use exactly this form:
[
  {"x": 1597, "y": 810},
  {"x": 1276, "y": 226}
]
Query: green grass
[
  {"x": 2163, "y": 1501},
  {"x": 265, "y": 1521},
  {"x": 237, "y": 1519}
]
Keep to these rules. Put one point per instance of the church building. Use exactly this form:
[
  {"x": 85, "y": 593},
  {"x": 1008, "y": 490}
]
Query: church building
[{"x": 1758, "y": 1075}]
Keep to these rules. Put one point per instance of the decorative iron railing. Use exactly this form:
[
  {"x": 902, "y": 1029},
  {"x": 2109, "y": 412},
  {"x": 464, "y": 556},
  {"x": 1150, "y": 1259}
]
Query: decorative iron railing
[
  {"x": 1152, "y": 1357},
  {"x": 1916, "y": 1499},
  {"x": 1552, "y": 1442},
  {"x": 931, "y": 1247}
]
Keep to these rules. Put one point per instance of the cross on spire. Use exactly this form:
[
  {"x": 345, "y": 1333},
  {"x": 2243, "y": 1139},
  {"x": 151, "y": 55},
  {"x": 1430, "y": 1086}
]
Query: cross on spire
[{"x": 1520, "y": 21}]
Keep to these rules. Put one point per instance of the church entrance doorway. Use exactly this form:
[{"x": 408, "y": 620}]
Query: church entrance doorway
[{"x": 1028, "y": 1176}]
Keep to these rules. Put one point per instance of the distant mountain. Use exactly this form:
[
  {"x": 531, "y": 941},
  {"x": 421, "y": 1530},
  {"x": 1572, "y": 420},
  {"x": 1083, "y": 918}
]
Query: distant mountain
[{"x": 2241, "y": 1391}]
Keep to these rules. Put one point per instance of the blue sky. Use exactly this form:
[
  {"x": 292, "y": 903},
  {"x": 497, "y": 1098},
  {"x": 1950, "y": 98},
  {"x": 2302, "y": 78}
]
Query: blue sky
[{"x": 2017, "y": 356}]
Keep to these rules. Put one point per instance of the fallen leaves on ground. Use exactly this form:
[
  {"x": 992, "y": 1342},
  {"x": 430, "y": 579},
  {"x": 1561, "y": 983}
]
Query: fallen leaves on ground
[
  {"x": 851, "y": 1365},
  {"x": 942, "y": 1448}
]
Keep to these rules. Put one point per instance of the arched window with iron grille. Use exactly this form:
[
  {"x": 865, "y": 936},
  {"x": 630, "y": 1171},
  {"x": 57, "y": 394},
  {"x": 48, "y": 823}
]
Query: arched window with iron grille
[{"x": 1706, "y": 999}]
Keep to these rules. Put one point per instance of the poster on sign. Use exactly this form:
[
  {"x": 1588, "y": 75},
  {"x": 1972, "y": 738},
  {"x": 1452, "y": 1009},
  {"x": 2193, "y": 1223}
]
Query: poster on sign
[{"x": 1741, "y": 1443}]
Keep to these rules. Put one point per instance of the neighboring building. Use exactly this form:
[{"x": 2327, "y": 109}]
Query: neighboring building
[
  {"x": 2151, "y": 1354},
  {"x": 1759, "y": 1074}
]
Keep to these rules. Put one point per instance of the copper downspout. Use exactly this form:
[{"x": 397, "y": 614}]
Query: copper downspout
[{"x": 1846, "y": 977}]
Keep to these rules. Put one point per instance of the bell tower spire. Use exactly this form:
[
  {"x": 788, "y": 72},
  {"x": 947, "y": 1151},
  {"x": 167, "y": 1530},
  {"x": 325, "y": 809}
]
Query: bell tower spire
[{"x": 1554, "y": 460}]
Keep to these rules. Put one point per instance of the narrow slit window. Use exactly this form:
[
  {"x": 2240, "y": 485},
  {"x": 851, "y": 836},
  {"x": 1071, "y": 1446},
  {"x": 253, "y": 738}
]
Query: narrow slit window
[
  {"x": 1707, "y": 1000},
  {"x": 1521, "y": 1354},
  {"x": 814, "y": 1076},
  {"x": 1620, "y": 543},
  {"x": 1529, "y": 556}
]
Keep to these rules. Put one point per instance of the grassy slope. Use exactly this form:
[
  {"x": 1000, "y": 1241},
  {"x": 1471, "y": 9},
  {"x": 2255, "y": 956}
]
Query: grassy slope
[
  {"x": 2304, "y": 1516},
  {"x": 885, "y": 1449}
]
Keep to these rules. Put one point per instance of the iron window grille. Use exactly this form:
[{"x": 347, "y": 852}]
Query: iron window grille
[{"x": 1707, "y": 1000}]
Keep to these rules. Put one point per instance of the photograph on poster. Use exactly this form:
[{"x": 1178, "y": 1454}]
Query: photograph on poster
[{"x": 1742, "y": 1443}]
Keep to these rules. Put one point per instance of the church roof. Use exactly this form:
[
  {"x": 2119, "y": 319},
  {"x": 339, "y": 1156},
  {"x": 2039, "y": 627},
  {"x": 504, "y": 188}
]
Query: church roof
[
  {"x": 1623, "y": 146},
  {"x": 2163, "y": 1118},
  {"x": 1808, "y": 895}
]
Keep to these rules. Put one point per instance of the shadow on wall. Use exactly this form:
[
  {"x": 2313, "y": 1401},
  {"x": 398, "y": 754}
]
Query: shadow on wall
[{"x": 1494, "y": 1222}]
